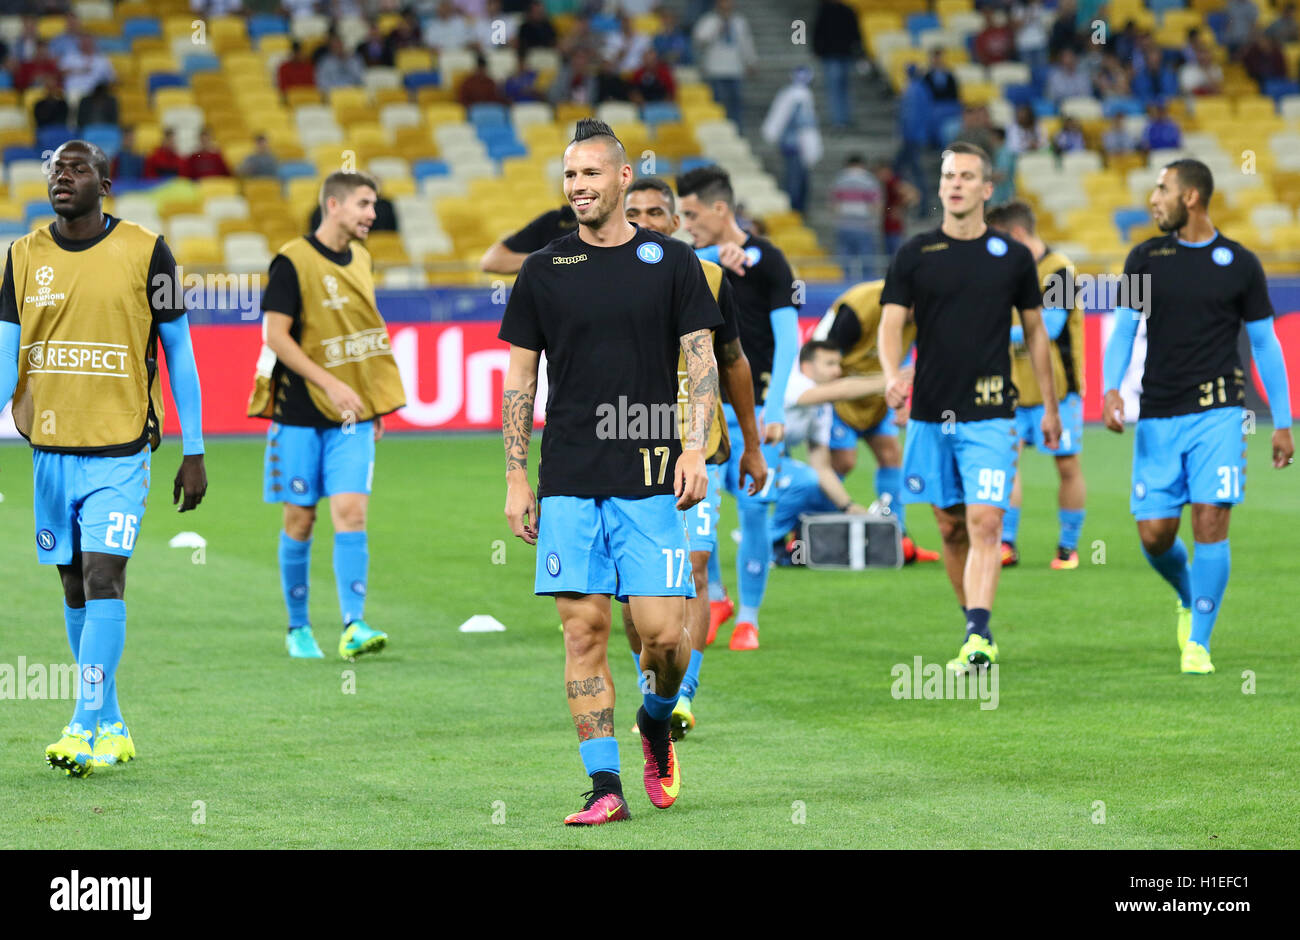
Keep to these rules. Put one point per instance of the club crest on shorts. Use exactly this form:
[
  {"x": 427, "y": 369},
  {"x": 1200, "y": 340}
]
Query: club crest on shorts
[
  {"x": 553, "y": 564},
  {"x": 1222, "y": 256},
  {"x": 298, "y": 485},
  {"x": 1139, "y": 489},
  {"x": 914, "y": 482},
  {"x": 45, "y": 539},
  {"x": 997, "y": 247},
  {"x": 650, "y": 253}
]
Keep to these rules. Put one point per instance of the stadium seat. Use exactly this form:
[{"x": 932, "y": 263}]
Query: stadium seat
[
  {"x": 295, "y": 169},
  {"x": 489, "y": 115},
  {"x": 380, "y": 77},
  {"x": 414, "y": 81},
  {"x": 141, "y": 27}
]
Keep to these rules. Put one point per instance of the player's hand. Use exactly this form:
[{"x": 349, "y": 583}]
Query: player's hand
[
  {"x": 774, "y": 433},
  {"x": 901, "y": 415},
  {"x": 192, "y": 478},
  {"x": 855, "y": 509},
  {"x": 690, "y": 479},
  {"x": 1112, "y": 410},
  {"x": 732, "y": 257},
  {"x": 379, "y": 426},
  {"x": 521, "y": 509},
  {"x": 1283, "y": 448},
  {"x": 896, "y": 392},
  {"x": 344, "y": 398},
  {"x": 753, "y": 465},
  {"x": 1051, "y": 429}
]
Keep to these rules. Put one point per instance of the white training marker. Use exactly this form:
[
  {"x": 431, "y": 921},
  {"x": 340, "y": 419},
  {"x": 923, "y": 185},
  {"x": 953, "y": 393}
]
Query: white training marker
[
  {"x": 188, "y": 540},
  {"x": 482, "y": 623}
]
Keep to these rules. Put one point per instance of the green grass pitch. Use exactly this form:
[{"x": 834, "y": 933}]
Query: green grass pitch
[{"x": 453, "y": 740}]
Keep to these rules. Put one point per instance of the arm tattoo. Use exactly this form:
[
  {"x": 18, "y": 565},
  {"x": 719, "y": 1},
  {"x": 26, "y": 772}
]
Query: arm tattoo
[
  {"x": 599, "y": 724},
  {"x": 592, "y": 686},
  {"x": 702, "y": 370},
  {"x": 517, "y": 426},
  {"x": 728, "y": 353}
]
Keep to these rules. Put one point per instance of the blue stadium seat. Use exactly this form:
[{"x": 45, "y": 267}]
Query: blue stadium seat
[
  {"x": 1218, "y": 23},
  {"x": 1038, "y": 75},
  {"x": 123, "y": 186},
  {"x": 1114, "y": 106},
  {"x": 423, "y": 169},
  {"x": 501, "y": 149},
  {"x": 48, "y": 138},
  {"x": 110, "y": 45},
  {"x": 663, "y": 167},
  {"x": 6, "y": 79},
  {"x": 166, "y": 80},
  {"x": 22, "y": 152},
  {"x": 107, "y": 137},
  {"x": 496, "y": 134},
  {"x": 294, "y": 169},
  {"x": 35, "y": 209},
  {"x": 604, "y": 23},
  {"x": 11, "y": 229},
  {"x": 488, "y": 115},
  {"x": 918, "y": 22},
  {"x": 266, "y": 24},
  {"x": 201, "y": 62},
  {"x": 1275, "y": 88},
  {"x": 1125, "y": 219},
  {"x": 660, "y": 112},
  {"x": 1159, "y": 6},
  {"x": 141, "y": 26},
  {"x": 692, "y": 163},
  {"x": 415, "y": 80},
  {"x": 1044, "y": 107},
  {"x": 1019, "y": 94}
]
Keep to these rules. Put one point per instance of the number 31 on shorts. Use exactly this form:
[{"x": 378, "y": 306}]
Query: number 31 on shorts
[{"x": 992, "y": 484}]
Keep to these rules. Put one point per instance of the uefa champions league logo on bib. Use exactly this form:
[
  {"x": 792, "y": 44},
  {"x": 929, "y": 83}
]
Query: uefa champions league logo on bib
[
  {"x": 650, "y": 253},
  {"x": 997, "y": 247},
  {"x": 1222, "y": 256},
  {"x": 553, "y": 564}
]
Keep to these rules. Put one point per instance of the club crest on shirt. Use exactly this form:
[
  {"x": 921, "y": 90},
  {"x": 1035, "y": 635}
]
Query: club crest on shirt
[
  {"x": 997, "y": 247},
  {"x": 1222, "y": 256},
  {"x": 649, "y": 252}
]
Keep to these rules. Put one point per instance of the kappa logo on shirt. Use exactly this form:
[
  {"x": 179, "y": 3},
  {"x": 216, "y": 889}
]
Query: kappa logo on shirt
[{"x": 568, "y": 259}]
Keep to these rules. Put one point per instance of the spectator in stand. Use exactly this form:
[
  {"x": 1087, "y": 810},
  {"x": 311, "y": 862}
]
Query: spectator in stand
[
  {"x": 1067, "y": 79},
  {"x": 1162, "y": 132},
  {"x": 791, "y": 124},
  {"x": 127, "y": 164},
  {"x": 521, "y": 85},
  {"x": 625, "y": 48},
  {"x": 976, "y": 128},
  {"x": 261, "y": 162},
  {"x": 296, "y": 71},
  {"x": 206, "y": 160},
  {"x": 338, "y": 69},
  {"x": 1193, "y": 45},
  {"x": 323, "y": 47},
  {"x": 98, "y": 107},
  {"x": 478, "y": 87},
  {"x": 26, "y": 42},
  {"x": 1202, "y": 77},
  {"x": 653, "y": 81},
  {"x": 164, "y": 162},
  {"x": 724, "y": 47},
  {"x": 1242, "y": 16},
  {"x": 1031, "y": 24},
  {"x": 996, "y": 42},
  {"x": 575, "y": 82},
  {"x": 1117, "y": 140},
  {"x": 1112, "y": 79},
  {"x": 900, "y": 196},
  {"x": 671, "y": 43},
  {"x": 940, "y": 79},
  {"x": 84, "y": 68},
  {"x": 1156, "y": 79},
  {"x": 914, "y": 127},
  {"x": 1004, "y": 168},
  {"x": 1064, "y": 34},
  {"x": 1024, "y": 135},
  {"x": 1262, "y": 58},
  {"x": 68, "y": 41},
  {"x": 837, "y": 41},
  {"x": 31, "y": 73},
  {"x": 1284, "y": 29},
  {"x": 536, "y": 31},
  {"x": 493, "y": 29},
  {"x": 1124, "y": 45},
  {"x": 51, "y": 109},
  {"x": 405, "y": 35},
  {"x": 450, "y": 29},
  {"x": 373, "y": 50},
  {"x": 1069, "y": 138},
  {"x": 858, "y": 202},
  {"x": 610, "y": 85}
]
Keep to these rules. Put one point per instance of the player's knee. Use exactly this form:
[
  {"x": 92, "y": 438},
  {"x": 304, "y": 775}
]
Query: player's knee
[
  {"x": 952, "y": 529},
  {"x": 700, "y": 571},
  {"x": 1157, "y": 540},
  {"x": 104, "y": 579},
  {"x": 74, "y": 587},
  {"x": 1068, "y": 468},
  {"x": 298, "y": 521},
  {"x": 984, "y": 528},
  {"x": 350, "y": 519},
  {"x": 887, "y": 451},
  {"x": 665, "y": 642},
  {"x": 584, "y": 642},
  {"x": 843, "y": 461}
]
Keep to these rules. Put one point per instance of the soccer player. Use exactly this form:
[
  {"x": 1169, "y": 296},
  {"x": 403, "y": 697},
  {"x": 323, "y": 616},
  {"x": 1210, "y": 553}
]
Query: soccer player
[
  {"x": 507, "y": 255},
  {"x": 769, "y": 334},
  {"x": 852, "y": 324},
  {"x": 651, "y": 204},
  {"x": 326, "y": 378},
  {"x": 1065, "y": 328},
  {"x": 87, "y": 300},
  {"x": 958, "y": 283},
  {"x": 611, "y": 305},
  {"x": 1190, "y": 443}
]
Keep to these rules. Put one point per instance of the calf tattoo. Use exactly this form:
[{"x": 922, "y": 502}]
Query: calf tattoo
[
  {"x": 591, "y": 686},
  {"x": 598, "y": 724}
]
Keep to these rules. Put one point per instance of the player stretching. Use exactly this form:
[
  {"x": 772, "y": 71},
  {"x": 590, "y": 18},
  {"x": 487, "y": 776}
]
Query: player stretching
[
  {"x": 1065, "y": 328},
  {"x": 852, "y": 324},
  {"x": 611, "y": 305},
  {"x": 959, "y": 283},
  {"x": 1190, "y": 444},
  {"x": 650, "y": 203},
  {"x": 326, "y": 378},
  {"x": 87, "y": 300},
  {"x": 769, "y": 334}
]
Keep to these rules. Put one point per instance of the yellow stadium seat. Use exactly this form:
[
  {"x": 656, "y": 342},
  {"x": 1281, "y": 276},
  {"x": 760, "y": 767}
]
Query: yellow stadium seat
[
  {"x": 883, "y": 21},
  {"x": 217, "y": 186},
  {"x": 47, "y": 27},
  {"x": 383, "y": 96},
  {"x": 413, "y": 59},
  {"x": 199, "y": 251},
  {"x": 445, "y": 113},
  {"x": 299, "y": 95},
  {"x": 242, "y": 63},
  {"x": 348, "y": 98},
  {"x": 274, "y": 43},
  {"x": 435, "y": 94},
  {"x": 31, "y": 191},
  {"x": 1256, "y": 108},
  {"x": 165, "y": 98},
  {"x": 386, "y": 248},
  {"x": 260, "y": 191},
  {"x": 692, "y": 92},
  {"x": 1211, "y": 109},
  {"x": 149, "y": 62}
]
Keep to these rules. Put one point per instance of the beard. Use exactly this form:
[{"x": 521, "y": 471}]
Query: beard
[{"x": 1175, "y": 220}]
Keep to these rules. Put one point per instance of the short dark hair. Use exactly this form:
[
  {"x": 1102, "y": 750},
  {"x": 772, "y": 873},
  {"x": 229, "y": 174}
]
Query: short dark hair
[
  {"x": 98, "y": 159},
  {"x": 962, "y": 146},
  {"x": 657, "y": 185},
  {"x": 855, "y": 159},
  {"x": 1011, "y": 213},
  {"x": 591, "y": 129},
  {"x": 340, "y": 184},
  {"x": 814, "y": 346},
  {"x": 708, "y": 184},
  {"x": 1193, "y": 174}
]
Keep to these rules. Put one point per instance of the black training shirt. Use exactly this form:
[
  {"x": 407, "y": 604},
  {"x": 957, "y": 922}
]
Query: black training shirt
[
  {"x": 767, "y": 285},
  {"x": 543, "y": 230}
]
